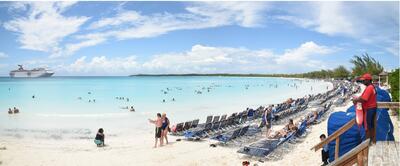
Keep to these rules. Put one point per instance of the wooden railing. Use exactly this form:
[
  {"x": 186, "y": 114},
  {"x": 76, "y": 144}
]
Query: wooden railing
[
  {"x": 389, "y": 105},
  {"x": 357, "y": 155},
  {"x": 336, "y": 136}
]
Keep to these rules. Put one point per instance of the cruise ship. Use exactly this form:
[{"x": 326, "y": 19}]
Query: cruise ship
[{"x": 36, "y": 72}]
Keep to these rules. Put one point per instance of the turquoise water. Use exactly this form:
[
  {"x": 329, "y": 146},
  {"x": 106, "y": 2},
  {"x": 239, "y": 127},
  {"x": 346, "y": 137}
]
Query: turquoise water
[{"x": 63, "y": 102}]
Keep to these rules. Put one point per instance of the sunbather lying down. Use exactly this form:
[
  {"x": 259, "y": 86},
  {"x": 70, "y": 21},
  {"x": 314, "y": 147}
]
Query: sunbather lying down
[{"x": 278, "y": 134}]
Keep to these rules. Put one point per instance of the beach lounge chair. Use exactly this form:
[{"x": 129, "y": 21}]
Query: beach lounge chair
[
  {"x": 216, "y": 119},
  {"x": 187, "y": 125},
  {"x": 229, "y": 136},
  {"x": 223, "y": 117},
  {"x": 302, "y": 129},
  {"x": 261, "y": 148},
  {"x": 195, "y": 123},
  {"x": 209, "y": 119},
  {"x": 244, "y": 130},
  {"x": 216, "y": 126},
  {"x": 179, "y": 127}
]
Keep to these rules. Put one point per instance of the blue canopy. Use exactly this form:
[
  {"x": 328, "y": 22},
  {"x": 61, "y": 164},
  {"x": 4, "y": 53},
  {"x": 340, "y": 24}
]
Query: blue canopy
[{"x": 349, "y": 139}]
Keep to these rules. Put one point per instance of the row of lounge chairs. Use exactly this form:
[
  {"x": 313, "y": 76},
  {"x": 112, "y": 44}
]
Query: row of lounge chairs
[
  {"x": 217, "y": 126},
  {"x": 264, "y": 147},
  {"x": 180, "y": 127}
]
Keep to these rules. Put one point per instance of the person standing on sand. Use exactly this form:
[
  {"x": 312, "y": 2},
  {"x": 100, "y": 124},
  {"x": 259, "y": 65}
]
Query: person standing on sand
[
  {"x": 158, "y": 123},
  {"x": 324, "y": 151},
  {"x": 368, "y": 100},
  {"x": 164, "y": 129},
  {"x": 268, "y": 118},
  {"x": 99, "y": 139}
]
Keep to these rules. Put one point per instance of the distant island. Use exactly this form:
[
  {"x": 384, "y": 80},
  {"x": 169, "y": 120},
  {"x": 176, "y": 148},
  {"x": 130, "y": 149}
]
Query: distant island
[{"x": 216, "y": 74}]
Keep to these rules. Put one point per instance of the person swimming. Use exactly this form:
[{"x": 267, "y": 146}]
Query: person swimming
[
  {"x": 16, "y": 110},
  {"x": 10, "y": 111},
  {"x": 132, "y": 109}
]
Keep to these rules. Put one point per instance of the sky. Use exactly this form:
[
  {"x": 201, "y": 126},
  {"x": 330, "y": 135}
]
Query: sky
[{"x": 123, "y": 38}]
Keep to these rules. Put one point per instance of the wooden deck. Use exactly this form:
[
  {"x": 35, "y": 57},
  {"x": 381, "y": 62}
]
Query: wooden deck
[{"x": 384, "y": 153}]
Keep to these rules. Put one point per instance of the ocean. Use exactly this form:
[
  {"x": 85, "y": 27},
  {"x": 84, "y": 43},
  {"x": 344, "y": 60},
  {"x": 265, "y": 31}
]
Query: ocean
[{"x": 75, "y": 107}]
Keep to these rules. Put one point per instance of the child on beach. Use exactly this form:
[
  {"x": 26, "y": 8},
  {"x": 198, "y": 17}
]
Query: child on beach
[
  {"x": 324, "y": 151},
  {"x": 158, "y": 123},
  {"x": 99, "y": 140}
]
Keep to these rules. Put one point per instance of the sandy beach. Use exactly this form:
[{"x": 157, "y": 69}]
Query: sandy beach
[{"x": 124, "y": 151}]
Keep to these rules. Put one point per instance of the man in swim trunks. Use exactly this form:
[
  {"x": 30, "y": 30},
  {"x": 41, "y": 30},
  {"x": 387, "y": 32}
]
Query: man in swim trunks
[{"x": 158, "y": 123}]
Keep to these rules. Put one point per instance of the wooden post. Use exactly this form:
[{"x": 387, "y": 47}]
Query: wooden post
[
  {"x": 365, "y": 151},
  {"x": 360, "y": 159},
  {"x": 337, "y": 148}
]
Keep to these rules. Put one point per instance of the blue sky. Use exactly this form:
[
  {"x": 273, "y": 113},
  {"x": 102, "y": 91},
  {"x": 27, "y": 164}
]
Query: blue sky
[{"x": 122, "y": 38}]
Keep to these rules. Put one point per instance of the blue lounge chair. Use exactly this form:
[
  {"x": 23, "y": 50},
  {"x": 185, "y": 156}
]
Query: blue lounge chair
[
  {"x": 209, "y": 119},
  {"x": 244, "y": 130},
  {"x": 223, "y": 117},
  {"x": 260, "y": 149},
  {"x": 187, "y": 125},
  {"x": 195, "y": 123},
  {"x": 229, "y": 136},
  {"x": 216, "y": 119}
]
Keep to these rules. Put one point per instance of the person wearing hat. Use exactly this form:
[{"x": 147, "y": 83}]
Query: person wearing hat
[{"x": 368, "y": 100}]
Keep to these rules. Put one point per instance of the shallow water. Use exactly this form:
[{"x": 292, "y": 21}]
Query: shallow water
[{"x": 61, "y": 109}]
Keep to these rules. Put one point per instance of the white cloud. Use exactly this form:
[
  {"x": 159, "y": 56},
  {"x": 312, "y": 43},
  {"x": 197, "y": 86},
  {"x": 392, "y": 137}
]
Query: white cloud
[
  {"x": 44, "y": 27},
  {"x": 302, "y": 54},
  {"x": 369, "y": 22},
  {"x": 101, "y": 65},
  {"x": 207, "y": 59},
  {"x": 134, "y": 25},
  {"x": 203, "y": 59},
  {"x": 3, "y": 55}
]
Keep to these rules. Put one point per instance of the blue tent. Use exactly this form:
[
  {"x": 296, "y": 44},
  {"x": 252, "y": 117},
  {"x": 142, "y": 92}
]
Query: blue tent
[
  {"x": 349, "y": 139},
  {"x": 384, "y": 130}
]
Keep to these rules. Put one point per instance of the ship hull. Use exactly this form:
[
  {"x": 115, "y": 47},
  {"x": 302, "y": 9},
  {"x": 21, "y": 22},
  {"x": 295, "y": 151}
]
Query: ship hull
[{"x": 24, "y": 74}]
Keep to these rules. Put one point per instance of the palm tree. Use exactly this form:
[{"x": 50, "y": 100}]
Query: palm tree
[{"x": 365, "y": 64}]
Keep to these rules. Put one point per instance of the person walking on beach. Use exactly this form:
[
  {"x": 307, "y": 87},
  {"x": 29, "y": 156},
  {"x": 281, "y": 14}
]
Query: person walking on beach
[
  {"x": 99, "y": 140},
  {"x": 368, "y": 101},
  {"x": 164, "y": 129},
  {"x": 158, "y": 123}
]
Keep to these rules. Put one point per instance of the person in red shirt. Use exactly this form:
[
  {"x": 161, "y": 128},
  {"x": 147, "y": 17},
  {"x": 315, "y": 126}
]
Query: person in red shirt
[{"x": 368, "y": 100}]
